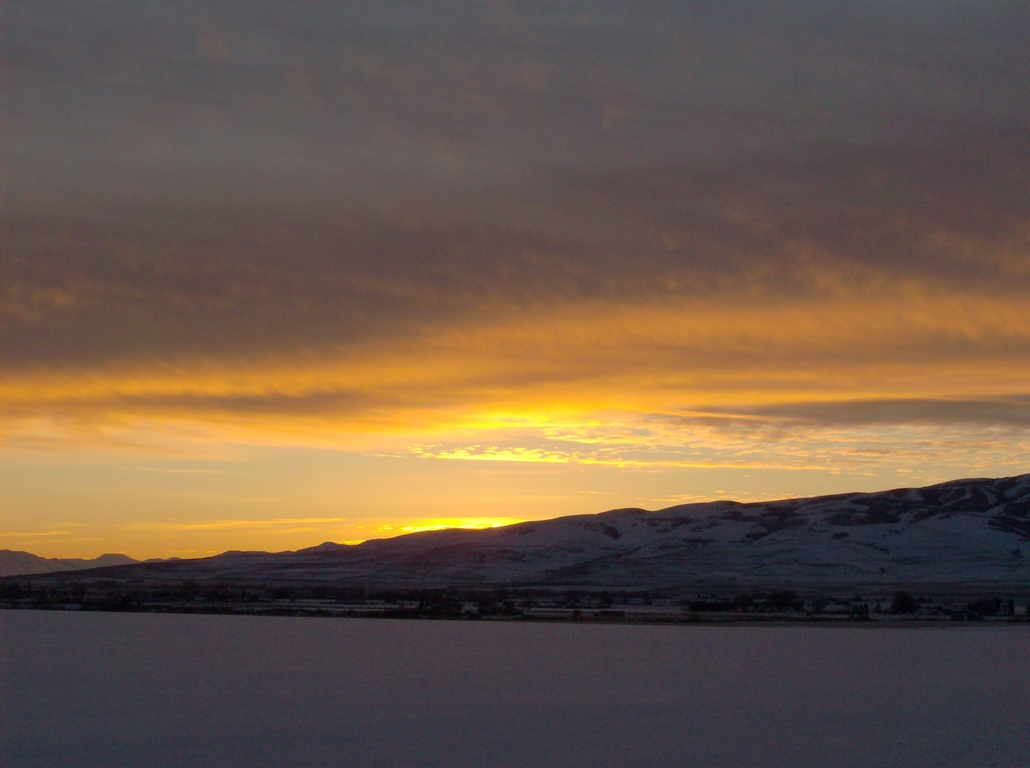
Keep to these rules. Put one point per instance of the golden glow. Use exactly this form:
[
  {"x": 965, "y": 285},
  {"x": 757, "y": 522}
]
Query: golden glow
[
  {"x": 568, "y": 365},
  {"x": 219, "y": 525},
  {"x": 441, "y": 524},
  {"x": 492, "y": 453},
  {"x": 741, "y": 384}
]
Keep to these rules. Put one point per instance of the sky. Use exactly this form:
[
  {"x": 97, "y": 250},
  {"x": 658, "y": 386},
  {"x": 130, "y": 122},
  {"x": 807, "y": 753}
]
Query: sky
[{"x": 276, "y": 274}]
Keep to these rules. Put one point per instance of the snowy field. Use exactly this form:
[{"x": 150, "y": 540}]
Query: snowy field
[{"x": 102, "y": 689}]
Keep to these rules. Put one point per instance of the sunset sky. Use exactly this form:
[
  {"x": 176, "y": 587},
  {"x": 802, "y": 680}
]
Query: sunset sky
[{"x": 281, "y": 273}]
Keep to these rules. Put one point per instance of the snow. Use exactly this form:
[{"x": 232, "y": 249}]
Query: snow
[
  {"x": 951, "y": 533},
  {"x": 88, "y": 690}
]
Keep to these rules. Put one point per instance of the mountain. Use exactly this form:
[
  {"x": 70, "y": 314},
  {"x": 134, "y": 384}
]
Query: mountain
[
  {"x": 23, "y": 563},
  {"x": 965, "y": 531}
]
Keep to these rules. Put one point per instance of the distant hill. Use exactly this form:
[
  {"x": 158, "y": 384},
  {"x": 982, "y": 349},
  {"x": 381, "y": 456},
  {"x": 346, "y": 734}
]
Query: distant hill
[
  {"x": 964, "y": 531},
  {"x": 23, "y": 563}
]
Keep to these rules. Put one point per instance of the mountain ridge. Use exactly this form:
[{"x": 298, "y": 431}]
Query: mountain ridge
[
  {"x": 17, "y": 563},
  {"x": 970, "y": 530}
]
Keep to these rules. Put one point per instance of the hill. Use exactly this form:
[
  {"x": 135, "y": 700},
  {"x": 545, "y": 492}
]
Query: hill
[
  {"x": 14, "y": 563},
  {"x": 974, "y": 531}
]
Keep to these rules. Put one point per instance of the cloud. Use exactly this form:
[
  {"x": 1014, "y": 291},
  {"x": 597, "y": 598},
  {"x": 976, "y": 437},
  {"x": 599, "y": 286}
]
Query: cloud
[
  {"x": 1011, "y": 411},
  {"x": 345, "y": 224},
  {"x": 135, "y": 284},
  {"x": 900, "y": 353}
]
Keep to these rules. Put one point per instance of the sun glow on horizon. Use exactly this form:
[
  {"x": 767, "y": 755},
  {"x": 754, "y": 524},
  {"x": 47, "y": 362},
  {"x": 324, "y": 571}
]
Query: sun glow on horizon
[{"x": 464, "y": 523}]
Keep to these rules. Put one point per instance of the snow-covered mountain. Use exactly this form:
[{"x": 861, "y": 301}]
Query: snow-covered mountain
[
  {"x": 14, "y": 563},
  {"x": 966, "y": 531}
]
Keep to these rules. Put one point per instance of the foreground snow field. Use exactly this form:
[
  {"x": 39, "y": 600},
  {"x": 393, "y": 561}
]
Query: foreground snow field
[{"x": 102, "y": 689}]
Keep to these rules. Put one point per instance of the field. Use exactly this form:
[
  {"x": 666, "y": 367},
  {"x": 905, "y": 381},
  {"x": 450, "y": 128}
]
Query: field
[{"x": 129, "y": 689}]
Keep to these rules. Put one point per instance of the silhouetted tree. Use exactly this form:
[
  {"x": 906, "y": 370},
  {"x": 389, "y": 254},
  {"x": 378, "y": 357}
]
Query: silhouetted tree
[{"x": 904, "y": 603}]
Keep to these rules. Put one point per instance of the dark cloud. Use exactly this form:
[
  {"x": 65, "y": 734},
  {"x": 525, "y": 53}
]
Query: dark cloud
[
  {"x": 167, "y": 281},
  {"x": 1012, "y": 411},
  {"x": 953, "y": 212},
  {"x": 331, "y": 95},
  {"x": 238, "y": 179}
]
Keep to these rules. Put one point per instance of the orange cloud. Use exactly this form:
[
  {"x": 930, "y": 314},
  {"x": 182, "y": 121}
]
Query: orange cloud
[{"x": 708, "y": 360}]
